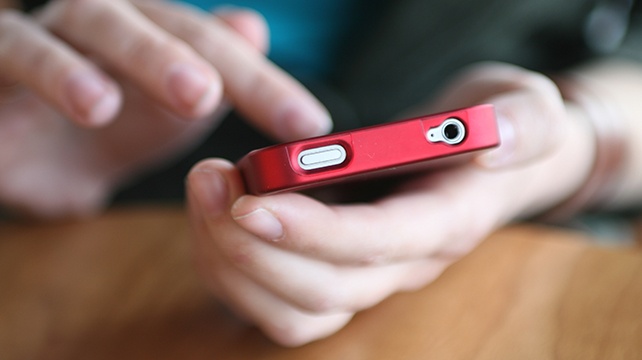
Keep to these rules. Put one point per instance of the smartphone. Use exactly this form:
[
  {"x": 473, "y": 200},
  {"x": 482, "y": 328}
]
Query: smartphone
[{"x": 415, "y": 144}]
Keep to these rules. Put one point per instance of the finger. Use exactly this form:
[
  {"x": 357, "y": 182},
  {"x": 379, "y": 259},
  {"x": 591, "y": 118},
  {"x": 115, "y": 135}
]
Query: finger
[
  {"x": 532, "y": 125},
  {"x": 124, "y": 39},
  {"x": 31, "y": 56},
  {"x": 247, "y": 23},
  {"x": 317, "y": 287},
  {"x": 284, "y": 323},
  {"x": 215, "y": 184},
  {"x": 281, "y": 321},
  {"x": 293, "y": 299},
  {"x": 267, "y": 96},
  {"x": 529, "y": 109},
  {"x": 409, "y": 225}
]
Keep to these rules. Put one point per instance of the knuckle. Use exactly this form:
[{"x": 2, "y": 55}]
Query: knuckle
[
  {"x": 371, "y": 257},
  {"x": 194, "y": 32},
  {"x": 322, "y": 303},
  {"x": 544, "y": 82},
  {"x": 204, "y": 40},
  {"x": 324, "y": 300},
  {"x": 72, "y": 11},
  {"x": 544, "y": 85},
  {"x": 514, "y": 76},
  {"x": 152, "y": 51},
  {"x": 376, "y": 255},
  {"x": 137, "y": 48},
  {"x": 537, "y": 80},
  {"x": 46, "y": 63},
  {"x": 40, "y": 63}
]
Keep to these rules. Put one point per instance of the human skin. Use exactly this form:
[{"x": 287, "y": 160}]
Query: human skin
[
  {"x": 93, "y": 93},
  {"x": 300, "y": 268},
  {"x": 274, "y": 259}
]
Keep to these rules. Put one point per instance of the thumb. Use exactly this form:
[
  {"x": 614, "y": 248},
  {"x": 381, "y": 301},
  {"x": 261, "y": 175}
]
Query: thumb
[
  {"x": 213, "y": 185},
  {"x": 530, "y": 125},
  {"x": 529, "y": 106}
]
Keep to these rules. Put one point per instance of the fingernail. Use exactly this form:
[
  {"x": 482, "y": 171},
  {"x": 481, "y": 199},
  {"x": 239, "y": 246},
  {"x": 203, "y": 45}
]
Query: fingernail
[
  {"x": 105, "y": 109},
  {"x": 210, "y": 190},
  {"x": 91, "y": 98},
  {"x": 503, "y": 154},
  {"x": 261, "y": 223},
  {"x": 191, "y": 89},
  {"x": 303, "y": 120}
]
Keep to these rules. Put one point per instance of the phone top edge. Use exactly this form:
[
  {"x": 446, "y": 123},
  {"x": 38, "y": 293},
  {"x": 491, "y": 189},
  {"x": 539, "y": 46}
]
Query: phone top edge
[{"x": 279, "y": 168}]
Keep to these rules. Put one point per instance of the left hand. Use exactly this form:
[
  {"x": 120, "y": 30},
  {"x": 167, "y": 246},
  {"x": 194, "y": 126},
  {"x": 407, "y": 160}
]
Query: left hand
[
  {"x": 94, "y": 93},
  {"x": 300, "y": 268}
]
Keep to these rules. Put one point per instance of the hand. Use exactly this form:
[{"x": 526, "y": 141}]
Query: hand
[
  {"x": 142, "y": 82},
  {"x": 300, "y": 269}
]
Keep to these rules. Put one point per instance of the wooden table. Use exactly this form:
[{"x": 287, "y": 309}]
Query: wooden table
[{"x": 122, "y": 287}]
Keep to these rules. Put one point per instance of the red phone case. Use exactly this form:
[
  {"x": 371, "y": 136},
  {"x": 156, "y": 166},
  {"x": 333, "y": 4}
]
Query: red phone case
[{"x": 401, "y": 146}]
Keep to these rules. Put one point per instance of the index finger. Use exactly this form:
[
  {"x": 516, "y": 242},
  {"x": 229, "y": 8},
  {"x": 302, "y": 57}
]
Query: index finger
[
  {"x": 408, "y": 225},
  {"x": 266, "y": 95},
  {"x": 123, "y": 39}
]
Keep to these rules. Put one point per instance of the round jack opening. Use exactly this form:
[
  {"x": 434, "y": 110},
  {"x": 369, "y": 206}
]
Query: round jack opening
[{"x": 451, "y": 131}]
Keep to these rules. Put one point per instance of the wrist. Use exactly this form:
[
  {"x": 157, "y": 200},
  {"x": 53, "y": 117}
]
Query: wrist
[{"x": 610, "y": 149}]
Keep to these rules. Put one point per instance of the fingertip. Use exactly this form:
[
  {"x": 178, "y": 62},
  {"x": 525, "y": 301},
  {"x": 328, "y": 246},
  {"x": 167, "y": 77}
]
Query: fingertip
[
  {"x": 106, "y": 109},
  {"x": 322, "y": 125},
  {"x": 193, "y": 91},
  {"x": 530, "y": 121},
  {"x": 92, "y": 99},
  {"x": 210, "y": 99},
  {"x": 210, "y": 183},
  {"x": 221, "y": 167},
  {"x": 504, "y": 154},
  {"x": 304, "y": 120}
]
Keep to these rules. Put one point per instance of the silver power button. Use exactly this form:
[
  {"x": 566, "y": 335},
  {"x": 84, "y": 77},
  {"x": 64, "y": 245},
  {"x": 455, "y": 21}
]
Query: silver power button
[{"x": 321, "y": 157}]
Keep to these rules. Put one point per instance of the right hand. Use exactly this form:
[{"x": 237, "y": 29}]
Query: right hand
[
  {"x": 94, "y": 92},
  {"x": 300, "y": 268}
]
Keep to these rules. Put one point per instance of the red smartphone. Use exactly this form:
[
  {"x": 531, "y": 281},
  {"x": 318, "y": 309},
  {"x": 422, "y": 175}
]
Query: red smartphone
[{"x": 401, "y": 146}]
